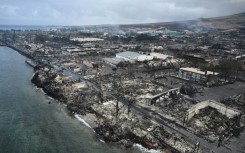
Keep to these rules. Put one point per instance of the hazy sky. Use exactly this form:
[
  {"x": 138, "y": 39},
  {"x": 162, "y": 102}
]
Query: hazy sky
[{"x": 88, "y": 12}]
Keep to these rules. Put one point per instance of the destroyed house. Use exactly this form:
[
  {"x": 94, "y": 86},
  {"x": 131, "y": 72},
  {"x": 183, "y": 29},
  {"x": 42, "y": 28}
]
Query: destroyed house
[
  {"x": 196, "y": 58},
  {"x": 195, "y": 74}
]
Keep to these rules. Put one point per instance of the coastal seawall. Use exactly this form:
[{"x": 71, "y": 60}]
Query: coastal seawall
[
  {"x": 19, "y": 50},
  {"x": 22, "y": 52}
]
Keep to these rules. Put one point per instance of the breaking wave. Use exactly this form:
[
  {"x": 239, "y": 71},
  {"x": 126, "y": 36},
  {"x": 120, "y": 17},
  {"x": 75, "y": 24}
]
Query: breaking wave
[
  {"x": 145, "y": 150},
  {"x": 83, "y": 121}
]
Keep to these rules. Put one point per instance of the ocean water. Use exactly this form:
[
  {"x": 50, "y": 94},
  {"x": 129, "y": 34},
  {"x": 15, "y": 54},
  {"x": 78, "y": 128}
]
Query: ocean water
[
  {"x": 22, "y": 27},
  {"x": 28, "y": 124}
]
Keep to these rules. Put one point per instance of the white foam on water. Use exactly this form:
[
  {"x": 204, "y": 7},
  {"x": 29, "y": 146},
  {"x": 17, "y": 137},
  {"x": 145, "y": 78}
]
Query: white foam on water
[
  {"x": 101, "y": 140},
  {"x": 83, "y": 121},
  {"x": 33, "y": 75},
  {"x": 50, "y": 98},
  {"x": 145, "y": 150},
  {"x": 42, "y": 91}
]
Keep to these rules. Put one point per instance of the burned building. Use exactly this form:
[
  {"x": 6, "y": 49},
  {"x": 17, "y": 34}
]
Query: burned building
[{"x": 197, "y": 75}]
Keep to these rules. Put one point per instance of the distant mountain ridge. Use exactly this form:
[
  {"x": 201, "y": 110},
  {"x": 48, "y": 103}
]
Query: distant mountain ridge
[
  {"x": 234, "y": 21},
  {"x": 226, "y": 22}
]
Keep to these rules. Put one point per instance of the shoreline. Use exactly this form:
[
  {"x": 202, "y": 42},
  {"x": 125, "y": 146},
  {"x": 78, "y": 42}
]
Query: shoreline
[
  {"x": 135, "y": 145},
  {"x": 82, "y": 118},
  {"x": 123, "y": 138},
  {"x": 20, "y": 51},
  {"x": 77, "y": 116}
]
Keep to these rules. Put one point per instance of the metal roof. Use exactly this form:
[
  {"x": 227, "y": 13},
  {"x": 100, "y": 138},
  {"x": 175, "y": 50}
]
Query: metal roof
[
  {"x": 114, "y": 61},
  {"x": 128, "y": 54}
]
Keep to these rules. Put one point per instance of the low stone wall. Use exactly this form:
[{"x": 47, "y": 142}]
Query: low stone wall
[{"x": 225, "y": 110}]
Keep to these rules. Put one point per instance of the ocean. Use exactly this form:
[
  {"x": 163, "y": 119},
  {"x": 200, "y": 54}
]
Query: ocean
[{"x": 23, "y": 27}]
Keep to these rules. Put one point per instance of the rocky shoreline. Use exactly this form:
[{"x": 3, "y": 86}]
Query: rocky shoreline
[
  {"x": 49, "y": 90},
  {"x": 125, "y": 129}
]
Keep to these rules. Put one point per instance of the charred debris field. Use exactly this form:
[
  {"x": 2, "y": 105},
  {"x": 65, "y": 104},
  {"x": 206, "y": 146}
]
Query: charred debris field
[{"x": 170, "y": 87}]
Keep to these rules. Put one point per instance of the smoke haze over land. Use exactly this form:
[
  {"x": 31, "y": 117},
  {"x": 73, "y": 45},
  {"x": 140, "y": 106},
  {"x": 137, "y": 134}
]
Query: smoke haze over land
[{"x": 90, "y": 12}]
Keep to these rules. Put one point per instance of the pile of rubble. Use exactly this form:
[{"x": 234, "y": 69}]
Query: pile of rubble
[
  {"x": 236, "y": 101},
  {"x": 131, "y": 128},
  {"x": 116, "y": 122},
  {"x": 75, "y": 94},
  {"x": 45, "y": 79},
  {"x": 213, "y": 125},
  {"x": 176, "y": 106}
]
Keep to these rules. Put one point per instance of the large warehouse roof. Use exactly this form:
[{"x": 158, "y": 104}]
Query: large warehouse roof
[
  {"x": 114, "y": 61},
  {"x": 129, "y": 54}
]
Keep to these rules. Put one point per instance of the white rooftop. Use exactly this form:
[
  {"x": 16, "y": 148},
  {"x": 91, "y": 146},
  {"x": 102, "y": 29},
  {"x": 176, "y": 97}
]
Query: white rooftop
[
  {"x": 86, "y": 39},
  {"x": 196, "y": 70},
  {"x": 128, "y": 54},
  {"x": 160, "y": 56}
]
